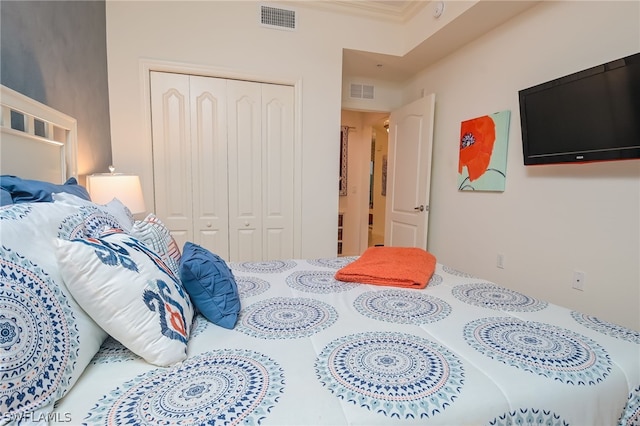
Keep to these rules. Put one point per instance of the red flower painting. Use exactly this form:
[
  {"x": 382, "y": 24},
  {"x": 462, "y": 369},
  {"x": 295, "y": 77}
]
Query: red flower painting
[{"x": 477, "y": 137}]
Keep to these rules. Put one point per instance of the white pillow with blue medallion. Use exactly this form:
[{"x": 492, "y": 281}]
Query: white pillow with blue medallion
[
  {"x": 130, "y": 292},
  {"x": 46, "y": 339}
]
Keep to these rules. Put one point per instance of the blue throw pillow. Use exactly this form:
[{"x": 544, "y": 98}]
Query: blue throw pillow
[
  {"x": 27, "y": 191},
  {"x": 211, "y": 285},
  {"x": 5, "y": 197}
]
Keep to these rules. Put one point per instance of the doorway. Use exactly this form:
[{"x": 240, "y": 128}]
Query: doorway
[
  {"x": 378, "y": 182},
  {"x": 354, "y": 203},
  {"x": 409, "y": 173},
  {"x": 372, "y": 153}
]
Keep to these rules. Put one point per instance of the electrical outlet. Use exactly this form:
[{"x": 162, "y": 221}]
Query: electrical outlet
[
  {"x": 500, "y": 261},
  {"x": 578, "y": 280}
]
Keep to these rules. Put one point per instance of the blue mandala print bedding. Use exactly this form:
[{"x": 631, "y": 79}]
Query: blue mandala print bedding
[
  {"x": 46, "y": 339},
  {"x": 223, "y": 387},
  {"x": 540, "y": 348},
  {"x": 395, "y": 374},
  {"x": 286, "y": 318},
  {"x": 38, "y": 336},
  {"x": 310, "y": 350}
]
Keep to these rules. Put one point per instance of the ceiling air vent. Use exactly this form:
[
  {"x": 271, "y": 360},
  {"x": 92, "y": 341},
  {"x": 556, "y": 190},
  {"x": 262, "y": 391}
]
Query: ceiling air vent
[
  {"x": 361, "y": 91},
  {"x": 277, "y": 17}
]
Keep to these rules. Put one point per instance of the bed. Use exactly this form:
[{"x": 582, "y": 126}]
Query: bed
[{"x": 278, "y": 342}]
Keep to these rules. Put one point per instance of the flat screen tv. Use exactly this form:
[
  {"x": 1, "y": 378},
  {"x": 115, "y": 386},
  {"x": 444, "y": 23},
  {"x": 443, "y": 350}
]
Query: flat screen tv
[{"x": 591, "y": 115}]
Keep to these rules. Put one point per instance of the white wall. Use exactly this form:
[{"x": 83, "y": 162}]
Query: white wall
[
  {"x": 551, "y": 220},
  {"x": 225, "y": 37}
]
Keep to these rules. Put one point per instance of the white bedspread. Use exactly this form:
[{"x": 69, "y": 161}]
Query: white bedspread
[{"x": 310, "y": 350}]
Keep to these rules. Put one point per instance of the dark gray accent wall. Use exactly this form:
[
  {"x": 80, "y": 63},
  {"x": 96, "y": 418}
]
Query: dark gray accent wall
[{"x": 56, "y": 52}]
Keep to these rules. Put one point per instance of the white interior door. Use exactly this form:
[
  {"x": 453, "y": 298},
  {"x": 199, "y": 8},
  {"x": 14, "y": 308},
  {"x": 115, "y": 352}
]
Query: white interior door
[
  {"x": 209, "y": 164},
  {"x": 224, "y": 160},
  {"x": 244, "y": 104},
  {"x": 409, "y": 174},
  {"x": 190, "y": 158},
  {"x": 171, "y": 132},
  {"x": 278, "y": 164}
]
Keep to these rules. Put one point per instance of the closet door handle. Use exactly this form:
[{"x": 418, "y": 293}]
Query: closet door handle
[{"x": 419, "y": 208}]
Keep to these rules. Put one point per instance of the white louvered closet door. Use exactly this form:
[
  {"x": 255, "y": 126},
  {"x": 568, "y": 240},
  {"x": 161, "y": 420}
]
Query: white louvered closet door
[
  {"x": 245, "y": 166},
  {"x": 209, "y": 164},
  {"x": 223, "y": 154},
  {"x": 278, "y": 164},
  {"x": 171, "y": 133},
  {"x": 261, "y": 164}
]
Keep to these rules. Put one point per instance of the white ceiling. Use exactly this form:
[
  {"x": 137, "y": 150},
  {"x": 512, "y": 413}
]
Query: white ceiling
[
  {"x": 479, "y": 19},
  {"x": 394, "y": 10},
  {"x": 390, "y": 10}
]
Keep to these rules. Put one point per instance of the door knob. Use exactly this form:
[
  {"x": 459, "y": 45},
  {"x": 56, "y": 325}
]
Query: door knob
[{"x": 420, "y": 208}]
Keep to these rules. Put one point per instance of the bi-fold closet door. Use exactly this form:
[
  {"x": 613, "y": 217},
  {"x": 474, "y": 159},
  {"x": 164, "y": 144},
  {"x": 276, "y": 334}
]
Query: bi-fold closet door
[{"x": 223, "y": 159}]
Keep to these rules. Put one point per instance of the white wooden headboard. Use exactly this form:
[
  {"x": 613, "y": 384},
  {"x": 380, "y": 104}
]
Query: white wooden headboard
[{"x": 37, "y": 141}]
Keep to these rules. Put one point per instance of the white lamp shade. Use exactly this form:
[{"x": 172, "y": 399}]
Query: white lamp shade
[{"x": 104, "y": 187}]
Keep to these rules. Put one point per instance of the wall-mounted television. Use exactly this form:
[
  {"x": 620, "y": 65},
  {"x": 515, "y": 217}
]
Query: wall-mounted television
[{"x": 590, "y": 115}]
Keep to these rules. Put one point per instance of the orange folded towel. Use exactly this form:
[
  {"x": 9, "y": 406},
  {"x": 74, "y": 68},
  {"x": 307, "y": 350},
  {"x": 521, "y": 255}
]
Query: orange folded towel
[{"x": 394, "y": 266}]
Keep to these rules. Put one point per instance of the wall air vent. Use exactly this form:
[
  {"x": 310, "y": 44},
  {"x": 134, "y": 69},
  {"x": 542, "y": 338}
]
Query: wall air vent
[
  {"x": 361, "y": 91},
  {"x": 277, "y": 17}
]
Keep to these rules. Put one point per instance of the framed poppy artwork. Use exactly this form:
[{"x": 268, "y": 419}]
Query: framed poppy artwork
[{"x": 482, "y": 165}]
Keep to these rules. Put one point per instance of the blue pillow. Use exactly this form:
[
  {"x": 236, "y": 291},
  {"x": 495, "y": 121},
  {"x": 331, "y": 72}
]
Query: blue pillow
[
  {"x": 27, "y": 191},
  {"x": 5, "y": 197},
  {"x": 211, "y": 285}
]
